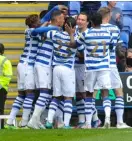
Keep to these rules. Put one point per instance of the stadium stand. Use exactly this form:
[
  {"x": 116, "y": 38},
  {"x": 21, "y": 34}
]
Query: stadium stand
[
  {"x": 12, "y": 26},
  {"x": 126, "y": 7},
  {"x": 74, "y": 8},
  {"x": 124, "y": 36}
]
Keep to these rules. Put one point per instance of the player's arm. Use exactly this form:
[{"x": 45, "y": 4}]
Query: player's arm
[
  {"x": 42, "y": 30},
  {"x": 73, "y": 42},
  {"x": 81, "y": 51},
  {"x": 80, "y": 55},
  {"x": 111, "y": 42},
  {"x": 47, "y": 17},
  {"x": 7, "y": 72},
  {"x": 119, "y": 20}
]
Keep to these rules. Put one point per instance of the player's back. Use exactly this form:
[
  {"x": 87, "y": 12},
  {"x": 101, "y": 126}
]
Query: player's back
[
  {"x": 97, "y": 42},
  {"x": 45, "y": 51},
  {"x": 63, "y": 53},
  {"x": 31, "y": 46},
  {"x": 115, "y": 32}
]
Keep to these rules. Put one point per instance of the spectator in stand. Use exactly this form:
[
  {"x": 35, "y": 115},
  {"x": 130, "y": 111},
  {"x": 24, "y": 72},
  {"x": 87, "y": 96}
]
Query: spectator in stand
[
  {"x": 116, "y": 14},
  {"x": 129, "y": 60},
  {"x": 121, "y": 57},
  {"x": 90, "y": 7}
]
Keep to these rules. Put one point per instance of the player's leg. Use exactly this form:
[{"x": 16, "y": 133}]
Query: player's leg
[
  {"x": 119, "y": 101},
  {"x": 80, "y": 94},
  {"x": 89, "y": 83},
  {"x": 59, "y": 115},
  {"x": 104, "y": 84},
  {"x": 95, "y": 119},
  {"x": 30, "y": 94},
  {"x": 68, "y": 91},
  {"x": 56, "y": 96},
  {"x": 80, "y": 108},
  {"x": 21, "y": 94},
  {"x": 44, "y": 78}
]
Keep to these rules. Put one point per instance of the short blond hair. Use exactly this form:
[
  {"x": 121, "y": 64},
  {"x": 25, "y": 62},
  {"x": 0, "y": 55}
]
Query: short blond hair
[{"x": 104, "y": 11}]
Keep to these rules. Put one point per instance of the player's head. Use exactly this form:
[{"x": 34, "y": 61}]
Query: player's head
[
  {"x": 111, "y": 3},
  {"x": 33, "y": 21},
  {"x": 70, "y": 21},
  {"x": 82, "y": 20},
  {"x": 42, "y": 14},
  {"x": 129, "y": 53},
  {"x": 2, "y": 48},
  {"x": 129, "y": 60},
  {"x": 105, "y": 13},
  {"x": 57, "y": 18},
  {"x": 96, "y": 20}
]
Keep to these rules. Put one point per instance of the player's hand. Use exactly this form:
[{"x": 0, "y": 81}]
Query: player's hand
[
  {"x": 118, "y": 16},
  {"x": 69, "y": 29}
]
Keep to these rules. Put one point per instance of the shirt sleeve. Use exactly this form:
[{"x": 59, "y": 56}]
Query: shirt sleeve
[
  {"x": 7, "y": 71},
  {"x": 51, "y": 34},
  {"x": 120, "y": 22},
  {"x": 41, "y": 30},
  {"x": 80, "y": 48}
]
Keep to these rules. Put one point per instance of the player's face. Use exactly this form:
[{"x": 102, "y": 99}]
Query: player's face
[
  {"x": 112, "y": 3},
  {"x": 129, "y": 68},
  {"x": 65, "y": 13},
  {"x": 60, "y": 20},
  {"x": 129, "y": 55},
  {"x": 82, "y": 21}
]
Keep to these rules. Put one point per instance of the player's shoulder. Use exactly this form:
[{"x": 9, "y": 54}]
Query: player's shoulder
[{"x": 110, "y": 26}]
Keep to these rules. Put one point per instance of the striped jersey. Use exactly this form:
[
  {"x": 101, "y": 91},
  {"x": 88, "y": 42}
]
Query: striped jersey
[
  {"x": 78, "y": 62},
  {"x": 30, "y": 49},
  {"x": 96, "y": 53},
  {"x": 45, "y": 53},
  {"x": 115, "y": 31},
  {"x": 63, "y": 53}
]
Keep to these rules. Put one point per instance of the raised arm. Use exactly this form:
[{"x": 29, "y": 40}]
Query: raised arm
[
  {"x": 41, "y": 30},
  {"x": 47, "y": 17}
]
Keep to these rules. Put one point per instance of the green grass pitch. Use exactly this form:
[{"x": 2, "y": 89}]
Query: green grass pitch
[{"x": 67, "y": 135}]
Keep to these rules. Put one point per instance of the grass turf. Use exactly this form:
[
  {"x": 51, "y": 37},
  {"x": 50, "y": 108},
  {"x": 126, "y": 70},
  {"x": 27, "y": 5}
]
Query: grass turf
[{"x": 67, "y": 135}]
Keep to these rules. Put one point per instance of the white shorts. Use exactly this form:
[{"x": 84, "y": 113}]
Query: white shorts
[
  {"x": 43, "y": 76},
  {"x": 25, "y": 77},
  {"x": 79, "y": 74},
  {"x": 99, "y": 78},
  {"x": 63, "y": 81},
  {"x": 115, "y": 79}
]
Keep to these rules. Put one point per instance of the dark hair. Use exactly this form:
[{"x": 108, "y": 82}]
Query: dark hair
[
  {"x": 96, "y": 19},
  {"x": 42, "y": 14},
  {"x": 55, "y": 14},
  {"x": 70, "y": 21},
  {"x": 2, "y": 48},
  {"x": 84, "y": 13},
  {"x": 31, "y": 20}
]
